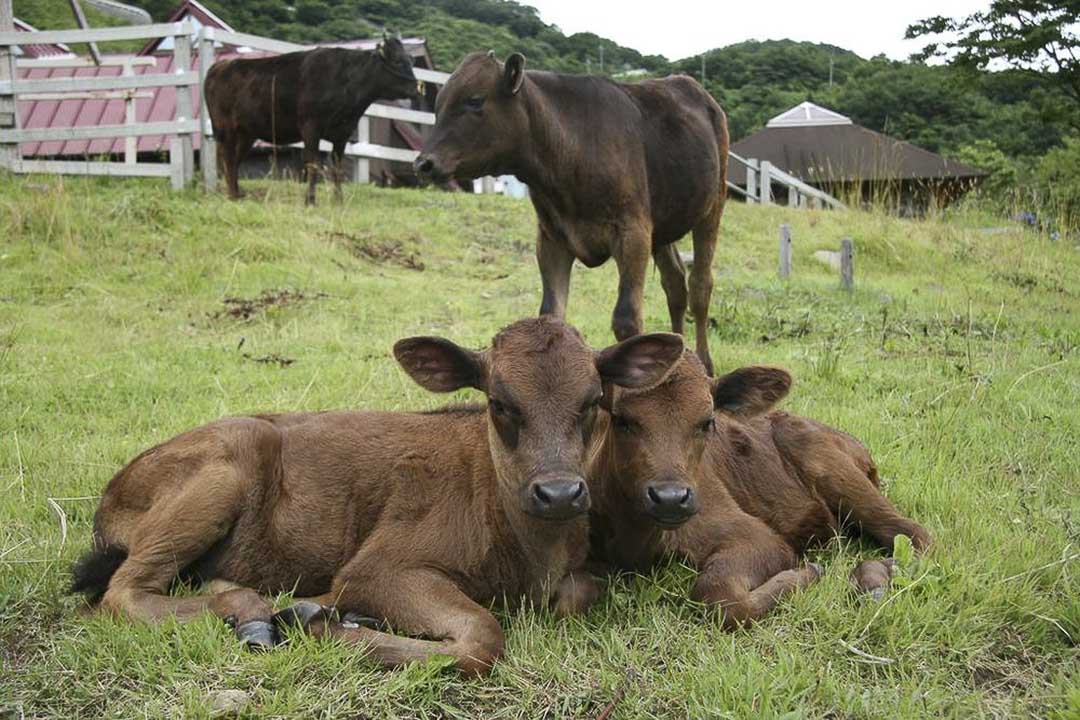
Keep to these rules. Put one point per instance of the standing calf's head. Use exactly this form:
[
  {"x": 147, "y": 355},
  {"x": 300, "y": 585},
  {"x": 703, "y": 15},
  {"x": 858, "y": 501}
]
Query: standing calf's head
[
  {"x": 396, "y": 80},
  {"x": 480, "y": 120},
  {"x": 543, "y": 385},
  {"x": 657, "y": 436}
]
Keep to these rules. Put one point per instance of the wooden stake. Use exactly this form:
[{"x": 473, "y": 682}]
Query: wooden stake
[
  {"x": 847, "y": 264},
  {"x": 785, "y": 250}
]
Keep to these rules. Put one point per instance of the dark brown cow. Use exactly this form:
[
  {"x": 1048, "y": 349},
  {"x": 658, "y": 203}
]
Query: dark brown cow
[
  {"x": 700, "y": 469},
  {"x": 415, "y": 519},
  {"x": 301, "y": 96},
  {"x": 614, "y": 170}
]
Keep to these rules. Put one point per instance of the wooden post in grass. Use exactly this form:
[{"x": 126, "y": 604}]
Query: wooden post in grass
[
  {"x": 9, "y": 118},
  {"x": 362, "y": 171},
  {"x": 847, "y": 264},
  {"x": 785, "y": 250},
  {"x": 184, "y": 107},
  {"x": 207, "y": 146}
]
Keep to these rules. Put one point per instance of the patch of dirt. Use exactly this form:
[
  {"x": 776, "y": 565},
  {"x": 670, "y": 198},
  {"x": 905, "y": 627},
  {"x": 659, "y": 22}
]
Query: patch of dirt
[
  {"x": 245, "y": 308},
  {"x": 391, "y": 252},
  {"x": 271, "y": 359}
]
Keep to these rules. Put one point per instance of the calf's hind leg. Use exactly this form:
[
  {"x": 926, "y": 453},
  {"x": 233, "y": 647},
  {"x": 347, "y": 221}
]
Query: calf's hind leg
[
  {"x": 701, "y": 281},
  {"x": 172, "y": 535},
  {"x": 673, "y": 280}
]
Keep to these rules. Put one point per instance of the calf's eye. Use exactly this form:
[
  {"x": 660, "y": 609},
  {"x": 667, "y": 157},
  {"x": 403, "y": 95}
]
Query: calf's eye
[
  {"x": 475, "y": 104},
  {"x": 708, "y": 426},
  {"x": 620, "y": 423},
  {"x": 497, "y": 407}
]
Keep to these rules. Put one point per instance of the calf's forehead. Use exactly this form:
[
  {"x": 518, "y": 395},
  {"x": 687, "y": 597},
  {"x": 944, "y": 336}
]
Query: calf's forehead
[
  {"x": 477, "y": 74},
  {"x": 684, "y": 394},
  {"x": 542, "y": 359}
]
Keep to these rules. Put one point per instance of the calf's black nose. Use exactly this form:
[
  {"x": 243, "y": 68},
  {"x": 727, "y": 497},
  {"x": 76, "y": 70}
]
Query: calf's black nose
[
  {"x": 558, "y": 498},
  {"x": 423, "y": 165},
  {"x": 671, "y": 503}
]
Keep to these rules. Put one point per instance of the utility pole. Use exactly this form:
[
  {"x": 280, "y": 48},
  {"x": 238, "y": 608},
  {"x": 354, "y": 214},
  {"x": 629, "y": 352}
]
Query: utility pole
[
  {"x": 703, "y": 68},
  {"x": 601, "y": 59},
  {"x": 830, "y": 71}
]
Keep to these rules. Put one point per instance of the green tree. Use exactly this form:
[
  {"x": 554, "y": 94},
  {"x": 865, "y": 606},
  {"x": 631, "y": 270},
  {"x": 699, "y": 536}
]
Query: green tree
[{"x": 1035, "y": 35}]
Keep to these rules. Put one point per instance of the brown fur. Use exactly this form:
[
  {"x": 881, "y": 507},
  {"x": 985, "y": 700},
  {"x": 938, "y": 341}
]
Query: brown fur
[
  {"x": 302, "y": 96},
  {"x": 413, "y": 518},
  {"x": 614, "y": 170},
  {"x": 766, "y": 486}
]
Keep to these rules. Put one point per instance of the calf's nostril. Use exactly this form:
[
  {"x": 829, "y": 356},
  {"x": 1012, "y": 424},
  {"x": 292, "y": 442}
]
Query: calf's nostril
[
  {"x": 542, "y": 494},
  {"x": 654, "y": 496},
  {"x": 687, "y": 494},
  {"x": 578, "y": 490}
]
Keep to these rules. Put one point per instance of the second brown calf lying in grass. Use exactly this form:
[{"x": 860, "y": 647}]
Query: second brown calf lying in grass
[{"x": 699, "y": 468}]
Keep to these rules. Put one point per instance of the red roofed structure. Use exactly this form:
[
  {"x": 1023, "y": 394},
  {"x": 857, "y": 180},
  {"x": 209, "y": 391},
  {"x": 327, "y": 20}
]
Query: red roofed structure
[{"x": 158, "y": 104}]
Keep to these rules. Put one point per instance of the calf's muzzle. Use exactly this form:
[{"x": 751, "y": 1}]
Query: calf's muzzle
[
  {"x": 559, "y": 496},
  {"x": 670, "y": 503}
]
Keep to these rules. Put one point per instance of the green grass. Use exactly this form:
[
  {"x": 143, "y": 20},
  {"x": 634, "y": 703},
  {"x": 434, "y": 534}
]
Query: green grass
[{"x": 955, "y": 359}]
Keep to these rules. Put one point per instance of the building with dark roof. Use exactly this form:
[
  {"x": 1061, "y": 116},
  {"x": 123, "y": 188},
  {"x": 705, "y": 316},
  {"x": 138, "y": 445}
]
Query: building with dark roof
[{"x": 828, "y": 151}]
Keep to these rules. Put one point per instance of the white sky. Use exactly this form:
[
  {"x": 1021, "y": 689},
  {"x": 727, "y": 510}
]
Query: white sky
[{"x": 682, "y": 28}]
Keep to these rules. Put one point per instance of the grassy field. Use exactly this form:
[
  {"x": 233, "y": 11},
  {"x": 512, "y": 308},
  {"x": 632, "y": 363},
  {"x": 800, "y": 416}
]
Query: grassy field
[{"x": 129, "y": 313}]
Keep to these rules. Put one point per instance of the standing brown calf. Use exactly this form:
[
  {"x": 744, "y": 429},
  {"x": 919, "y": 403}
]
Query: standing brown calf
[
  {"x": 695, "y": 468},
  {"x": 615, "y": 170},
  {"x": 413, "y": 518}
]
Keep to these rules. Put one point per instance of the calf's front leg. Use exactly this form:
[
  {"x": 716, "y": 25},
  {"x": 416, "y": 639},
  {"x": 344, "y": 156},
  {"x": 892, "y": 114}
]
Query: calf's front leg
[
  {"x": 419, "y": 602},
  {"x": 746, "y": 580}
]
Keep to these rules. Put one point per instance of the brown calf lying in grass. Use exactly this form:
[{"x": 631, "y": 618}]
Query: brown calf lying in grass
[
  {"x": 414, "y": 519},
  {"x": 695, "y": 468}
]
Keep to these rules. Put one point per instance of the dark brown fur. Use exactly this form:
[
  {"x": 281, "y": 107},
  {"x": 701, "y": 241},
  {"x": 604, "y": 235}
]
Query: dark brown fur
[
  {"x": 413, "y": 518},
  {"x": 303, "y": 96},
  {"x": 765, "y": 486},
  {"x": 615, "y": 170}
]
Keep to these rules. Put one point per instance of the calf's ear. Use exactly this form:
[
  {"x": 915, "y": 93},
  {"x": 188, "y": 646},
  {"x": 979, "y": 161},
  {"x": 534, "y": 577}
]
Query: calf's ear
[
  {"x": 750, "y": 391},
  {"x": 640, "y": 361},
  {"x": 440, "y": 365},
  {"x": 514, "y": 73}
]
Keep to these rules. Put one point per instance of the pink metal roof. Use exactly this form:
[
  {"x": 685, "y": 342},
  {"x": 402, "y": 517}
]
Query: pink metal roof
[
  {"x": 40, "y": 51},
  {"x": 161, "y": 107}
]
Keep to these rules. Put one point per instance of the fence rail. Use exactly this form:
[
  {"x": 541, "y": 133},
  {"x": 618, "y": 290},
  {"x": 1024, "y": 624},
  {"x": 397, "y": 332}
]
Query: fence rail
[{"x": 761, "y": 175}]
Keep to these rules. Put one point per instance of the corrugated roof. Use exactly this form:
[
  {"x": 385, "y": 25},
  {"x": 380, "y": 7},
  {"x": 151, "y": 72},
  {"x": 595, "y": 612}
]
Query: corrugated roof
[
  {"x": 819, "y": 154},
  {"x": 200, "y": 16},
  {"x": 38, "y": 51}
]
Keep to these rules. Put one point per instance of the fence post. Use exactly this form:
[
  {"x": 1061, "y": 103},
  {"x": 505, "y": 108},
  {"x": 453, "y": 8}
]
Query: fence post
[
  {"x": 208, "y": 145},
  {"x": 792, "y": 197},
  {"x": 184, "y": 109},
  {"x": 363, "y": 165},
  {"x": 176, "y": 162},
  {"x": 9, "y": 116},
  {"x": 751, "y": 177},
  {"x": 131, "y": 144},
  {"x": 847, "y": 264},
  {"x": 766, "y": 183},
  {"x": 785, "y": 250},
  {"x": 487, "y": 185}
]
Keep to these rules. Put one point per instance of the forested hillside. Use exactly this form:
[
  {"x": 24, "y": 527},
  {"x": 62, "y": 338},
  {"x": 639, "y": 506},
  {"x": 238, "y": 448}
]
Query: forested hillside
[{"x": 1006, "y": 122}]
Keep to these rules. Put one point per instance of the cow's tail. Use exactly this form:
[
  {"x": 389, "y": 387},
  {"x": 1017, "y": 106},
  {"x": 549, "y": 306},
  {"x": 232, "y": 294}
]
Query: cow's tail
[{"x": 91, "y": 574}]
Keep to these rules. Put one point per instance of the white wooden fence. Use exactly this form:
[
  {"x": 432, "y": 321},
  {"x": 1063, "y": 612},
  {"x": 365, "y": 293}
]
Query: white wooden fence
[
  {"x": 181, "y": 130},
  {"x": 761, "y": 175}
]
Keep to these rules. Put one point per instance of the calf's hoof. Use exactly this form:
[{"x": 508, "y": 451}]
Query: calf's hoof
[
  {"x": 353, "y": 620},
  {"x": 873, "y": 577},
  {"x": 300, "y": 615},
  {"x": 258, "y": 635}
]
